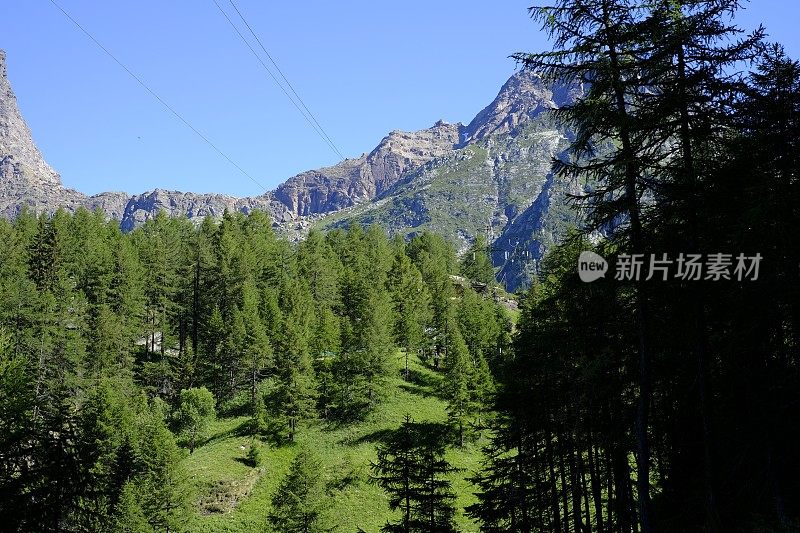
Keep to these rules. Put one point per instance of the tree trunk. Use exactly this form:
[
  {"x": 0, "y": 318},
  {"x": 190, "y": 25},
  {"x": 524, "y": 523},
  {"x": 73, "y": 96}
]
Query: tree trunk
[
  {"x": 642, "y": 311},
  {"x": 553, "y": 484},
  {"x": 594, "y": 481},
  {"x": 700, "y": 334}
]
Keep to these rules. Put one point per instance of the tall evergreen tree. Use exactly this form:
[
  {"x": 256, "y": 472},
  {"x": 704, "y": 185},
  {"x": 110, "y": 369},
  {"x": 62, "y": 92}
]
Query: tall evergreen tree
[
  {"x": 596, "y": 43},
  {"x": 299, "y": 504},
  {"x": 477, "y": 263},
  {"x": 160, "y": 492},
  {"x": 366, "y": 325},
  {"x": 294, "y": 399},
  {"x": 411, "y": 467},
  {"x": 410, "y": 300},
  {"x": 256, "y": 349},
  {"x": 436, "y": 260},
  {"x": 459, "y": 383}
]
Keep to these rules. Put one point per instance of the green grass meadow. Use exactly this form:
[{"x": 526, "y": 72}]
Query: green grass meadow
[{"x": 231, "y": 496}]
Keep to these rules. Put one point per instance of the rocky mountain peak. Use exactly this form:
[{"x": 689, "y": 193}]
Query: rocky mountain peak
[
  {"x": 359, "y": 180},
  {"x": 25, "y": 176},
  {"x": 20, "y": 160},
  {"x": 524, "y": 96}
]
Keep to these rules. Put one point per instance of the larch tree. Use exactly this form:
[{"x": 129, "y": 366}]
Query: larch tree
[
  {"x": 410, "y": 300},
  {"x": 300, "y": 502},
  {"x": 412, "y": 469},
  {"x": 596, "y": 43}
]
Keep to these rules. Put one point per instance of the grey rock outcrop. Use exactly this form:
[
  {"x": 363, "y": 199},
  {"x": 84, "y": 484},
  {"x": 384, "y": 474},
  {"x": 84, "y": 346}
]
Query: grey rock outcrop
[
  {"x": 21, "y": 157},
  {"x": 497, "y": 182},
  {"x": 524, "y": 96},
  {"x": 26, "y": 178},
  {"x": 359, "y": 180}
]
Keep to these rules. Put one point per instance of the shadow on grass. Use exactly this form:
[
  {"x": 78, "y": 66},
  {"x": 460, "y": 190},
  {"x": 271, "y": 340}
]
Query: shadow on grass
[
  {"x": 379, "y": 435},
  {"x": 245, "y": 461},
  {"x": 423, "y": 432},
  {"x": 243, "y": 429},
  {"x": 422, "y": 384},
  {"x": 338, "y": 418}
]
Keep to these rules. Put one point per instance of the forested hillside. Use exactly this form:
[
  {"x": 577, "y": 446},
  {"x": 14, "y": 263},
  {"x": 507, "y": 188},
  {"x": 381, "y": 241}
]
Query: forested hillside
[
  {"x": 120, "y": 350},
  {"x": 213, "y": 376}
]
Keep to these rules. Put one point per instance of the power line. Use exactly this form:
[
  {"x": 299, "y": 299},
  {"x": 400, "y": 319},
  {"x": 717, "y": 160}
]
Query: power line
[
  {"x": 288, "y": 83},
  {"x": 278, "y": 83},
  {"x": 153, "y": 93}
]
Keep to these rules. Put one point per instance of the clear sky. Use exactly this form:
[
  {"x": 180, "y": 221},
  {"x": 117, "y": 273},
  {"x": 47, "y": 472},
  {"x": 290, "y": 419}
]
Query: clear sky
[{"x": 364, "y": 67}]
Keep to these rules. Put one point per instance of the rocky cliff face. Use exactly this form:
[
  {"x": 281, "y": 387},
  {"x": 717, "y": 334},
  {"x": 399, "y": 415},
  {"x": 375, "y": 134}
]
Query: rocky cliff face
[
  {"x": 22, "y": 157},
  {"x": 359, "y": 180},
  {"x": 521, "y": 98},
  {"x": 25, "y": 177}
]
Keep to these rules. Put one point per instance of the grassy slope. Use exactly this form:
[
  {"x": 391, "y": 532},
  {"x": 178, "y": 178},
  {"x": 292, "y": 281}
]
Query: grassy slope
[{"x": 233, "y": 497}]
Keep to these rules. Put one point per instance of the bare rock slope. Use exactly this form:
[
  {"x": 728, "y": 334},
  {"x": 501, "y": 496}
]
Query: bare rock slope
[{"x": 25, "y": 177}]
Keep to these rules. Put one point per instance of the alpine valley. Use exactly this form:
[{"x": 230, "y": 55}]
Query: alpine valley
[{"x": 489, "y": 178}]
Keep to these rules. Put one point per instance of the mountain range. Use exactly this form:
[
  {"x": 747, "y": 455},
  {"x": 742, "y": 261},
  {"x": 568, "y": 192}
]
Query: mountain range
[{"x": 491, "y": 176}]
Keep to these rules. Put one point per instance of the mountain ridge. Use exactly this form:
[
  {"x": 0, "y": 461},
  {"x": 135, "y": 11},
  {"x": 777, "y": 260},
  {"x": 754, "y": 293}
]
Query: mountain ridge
[
  {"x": 454, "y": 178},
  {"x": 27, "y": 179}
]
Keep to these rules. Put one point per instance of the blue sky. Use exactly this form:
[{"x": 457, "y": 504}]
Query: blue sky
[{"x": 364, "y": 67}]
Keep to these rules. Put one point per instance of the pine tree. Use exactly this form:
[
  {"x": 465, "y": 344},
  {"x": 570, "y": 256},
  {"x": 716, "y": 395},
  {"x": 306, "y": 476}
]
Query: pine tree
[
  {"x": 375, "y": 327},
  {"x": 483, "y": 389},
  {"x": 595, "y": 43},
  {"x": 203, "y": 287},
  {"x": 17, "y": 433},
  {"x": 366, "y": 327},
  {"x": 129, "y": 516},
  {"x": 230, "y": 270},
  {"x": 318, "y": 265},
  {"x": 18, "y": 295},
  {"x": 479, "y": 323},
  {"x": 458, "y": 386},
  {"x": 44, "y": 255},
  {"x": 214, "y": 346},
  {"x": 294, "y": 398},
  {"x": 507, "y": 485},
  {"x": 263, "y": 248},
  {"x": 476, "y": 264},
  {"x": 412, "y": 469},
  {"x": 162, "y": 246},
  {"x": 436, "y": 260},
  {"x": 299, "y": 504},
  {"x": 105, "y": 452},
  {"x": 257, "y": 350},
  {"x": 160, "y": 492},
  {"x": 410, "y": 300}
]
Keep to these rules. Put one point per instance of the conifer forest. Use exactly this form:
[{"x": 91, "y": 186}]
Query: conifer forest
[{"x": 219, "y": 376}]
